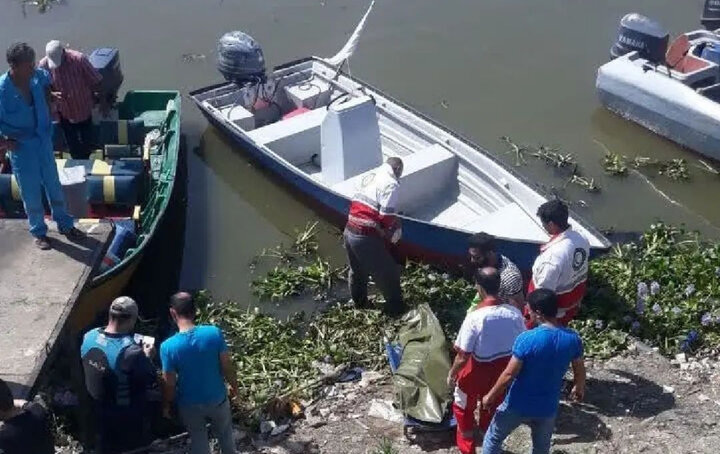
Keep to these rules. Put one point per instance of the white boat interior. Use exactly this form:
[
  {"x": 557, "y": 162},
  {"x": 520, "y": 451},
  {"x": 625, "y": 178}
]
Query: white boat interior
[{"x": 335, "y": 131}]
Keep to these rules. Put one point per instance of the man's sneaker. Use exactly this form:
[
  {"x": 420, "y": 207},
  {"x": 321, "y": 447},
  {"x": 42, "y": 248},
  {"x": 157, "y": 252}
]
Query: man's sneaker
[
  {"x": 74, "y": 234},
  {"x": 42, "y": 243}
]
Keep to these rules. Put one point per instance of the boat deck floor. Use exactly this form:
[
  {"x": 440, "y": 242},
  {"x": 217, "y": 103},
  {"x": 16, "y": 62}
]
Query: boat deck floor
[{"x": 38, "y": 290}]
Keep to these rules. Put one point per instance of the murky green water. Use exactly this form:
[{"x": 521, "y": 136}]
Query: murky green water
[{"x": 486, "y": 68}]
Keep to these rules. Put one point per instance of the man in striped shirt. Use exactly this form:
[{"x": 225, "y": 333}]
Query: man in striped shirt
[
  {"x": 483, "y": 252},
  {"x": 484, "y": 347},
  {"x": 72, "y": 75}
]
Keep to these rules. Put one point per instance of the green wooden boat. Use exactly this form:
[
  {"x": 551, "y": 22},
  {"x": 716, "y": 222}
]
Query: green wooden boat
[{"x": 130, "y": 183}]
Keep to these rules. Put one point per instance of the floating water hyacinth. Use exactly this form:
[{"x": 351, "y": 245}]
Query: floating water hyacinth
[
  {"x": 707, "y": 319},
  {"x": 642, "y": 290},
  {"x": 676, "y": 310},
  {"x": 656, "y": 308},
  {"x": 689, "y": 290},
  {"x": 654, "y": 288},
  {"x": 693, "y": 336},
  {"x": 599, "y": 324},
  {"x": 640, "y": 306},
  {"x": 635, "y": 326}
]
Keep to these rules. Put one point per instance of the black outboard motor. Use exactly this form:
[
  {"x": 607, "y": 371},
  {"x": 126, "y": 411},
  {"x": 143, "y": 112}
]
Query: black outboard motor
[
  {"x": 240, "y": 59},
  {"x": 107, "y": 61},
  {"x": 711, "y": 15},
  {"x": 642, "y": 34}
]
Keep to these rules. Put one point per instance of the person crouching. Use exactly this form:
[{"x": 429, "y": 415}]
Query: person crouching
[{"x": 484, "y": 347}]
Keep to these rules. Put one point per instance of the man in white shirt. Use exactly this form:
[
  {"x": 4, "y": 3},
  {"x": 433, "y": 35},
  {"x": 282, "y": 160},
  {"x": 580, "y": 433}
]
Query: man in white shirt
[
  {"x": 372, "y": 227},
  {"x": 562, "y": 265},
  {"x": 484, "y": 347}
]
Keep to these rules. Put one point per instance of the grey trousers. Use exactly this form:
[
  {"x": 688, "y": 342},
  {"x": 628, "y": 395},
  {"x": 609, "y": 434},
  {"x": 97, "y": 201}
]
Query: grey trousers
[
  {"x": 368, "y": 256},
  {"x": 196, "y": 416}
]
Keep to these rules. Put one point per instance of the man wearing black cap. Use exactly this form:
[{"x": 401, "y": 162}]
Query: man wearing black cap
[{"x": 118, "y": 374}]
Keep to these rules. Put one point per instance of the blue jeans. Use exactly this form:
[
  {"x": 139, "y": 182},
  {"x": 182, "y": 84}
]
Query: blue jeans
[
  {"x": 196, "y": 416},
  {"x": 506, "y": 421}
]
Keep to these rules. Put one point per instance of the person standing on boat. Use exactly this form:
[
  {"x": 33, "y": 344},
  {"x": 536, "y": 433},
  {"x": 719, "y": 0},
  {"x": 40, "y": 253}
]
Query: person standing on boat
[
  {"x": 118, "y": 375},
  {"x": 483, "y": 253},
  {"x": 371, "y": 230},
  {"x": 196, "y": 365},
  {"x": 562, "y": 265},
  {"x": 26, "y": 130},
  {"x": 72, "y": 75},
  {"x": 484, "y": 345}
]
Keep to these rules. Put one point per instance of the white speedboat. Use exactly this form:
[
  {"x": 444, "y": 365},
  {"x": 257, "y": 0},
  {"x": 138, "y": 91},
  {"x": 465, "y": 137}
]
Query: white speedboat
[
  {"x": 321, "y": 132},
  {"x": 673, "y": 90}
]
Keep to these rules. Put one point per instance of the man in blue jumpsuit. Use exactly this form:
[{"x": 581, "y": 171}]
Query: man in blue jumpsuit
[{"x": 26, "y": 131}]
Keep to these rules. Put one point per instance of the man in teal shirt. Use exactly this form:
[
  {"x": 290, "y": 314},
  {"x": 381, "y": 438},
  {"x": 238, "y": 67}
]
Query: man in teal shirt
[
  {"x": 26, "y": 131},
  {"x": 196, "y": 365}
]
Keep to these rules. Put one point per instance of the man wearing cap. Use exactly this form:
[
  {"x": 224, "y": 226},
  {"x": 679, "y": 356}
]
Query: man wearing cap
[
  {"x": 118, "y": 374},
  {"x": 75, "y": 79}
]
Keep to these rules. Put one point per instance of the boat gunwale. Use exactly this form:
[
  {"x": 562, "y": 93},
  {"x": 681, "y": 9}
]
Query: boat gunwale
[
  {"x": 139, "y": 250},
  {"x": 606, "y": 244}
]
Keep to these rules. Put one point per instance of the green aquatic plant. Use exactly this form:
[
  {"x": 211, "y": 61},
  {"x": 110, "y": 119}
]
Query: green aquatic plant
[
  {"x": 615, "y": 164},
  {"x": 42, "y": 5},
  {"x": 675, "y": 169},
  {"x": 288, "y": 280}
]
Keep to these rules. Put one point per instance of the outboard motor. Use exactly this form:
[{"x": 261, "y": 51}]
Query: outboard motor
[
  {"x": 240, "y": 59},
  {"x": 641, "y": 34},
  {"x": 107, "y": 61},
  {"x": 711, "y": 15}
]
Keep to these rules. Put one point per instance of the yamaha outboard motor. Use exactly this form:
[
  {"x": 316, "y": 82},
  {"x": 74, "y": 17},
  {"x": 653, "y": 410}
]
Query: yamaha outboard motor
[
  {"x": 107, "y": 61},
  {"x": 240, "y": 59},
  {"x": 641, "y": 34},
  {"x": 711, "y": 15}
]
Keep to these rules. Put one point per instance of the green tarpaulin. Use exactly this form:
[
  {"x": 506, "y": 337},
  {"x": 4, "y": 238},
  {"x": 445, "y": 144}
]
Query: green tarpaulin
[{"x": 421, "y": 389}]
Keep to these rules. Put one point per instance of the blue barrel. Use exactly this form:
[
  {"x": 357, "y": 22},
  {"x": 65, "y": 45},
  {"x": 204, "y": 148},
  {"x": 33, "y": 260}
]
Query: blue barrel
[
  {"x": 124, "y": 239},
  {"x": 711, "y": 52}
]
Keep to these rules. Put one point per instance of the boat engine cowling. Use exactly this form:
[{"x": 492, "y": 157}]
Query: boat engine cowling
[
  {"x": 240, "y": 59},
  {"x": 106, "y": 61},
  {"x": 641, "y": 34},
  {"x": 711, "y": 15}
]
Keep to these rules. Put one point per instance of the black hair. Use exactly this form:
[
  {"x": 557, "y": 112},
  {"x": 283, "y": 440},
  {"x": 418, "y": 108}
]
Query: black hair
[
  {"x": 543, "y": 301},
  {"x": 19, "y": 53},
  {"x": 489, "y": 279},
  {"x": 483, "y": 242},
  {"x": 554, "y": 211},
  {"x": 6, "y": 397},
  {"x": 183, "y": 305}
]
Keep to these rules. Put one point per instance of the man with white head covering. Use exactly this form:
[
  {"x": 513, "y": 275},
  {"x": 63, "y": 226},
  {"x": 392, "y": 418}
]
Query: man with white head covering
[
  {"x": 118, "y": 374},
  {"x": 72, "y": 75},
  {"x": 372, "y": 227}
]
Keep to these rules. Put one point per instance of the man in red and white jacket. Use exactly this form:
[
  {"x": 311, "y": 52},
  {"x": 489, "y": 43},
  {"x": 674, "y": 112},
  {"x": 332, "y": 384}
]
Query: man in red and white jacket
[
  {"x": 562, "y": 265},
  {"x": 484, "y": 348},
  {"x": 371, "y": 228}
]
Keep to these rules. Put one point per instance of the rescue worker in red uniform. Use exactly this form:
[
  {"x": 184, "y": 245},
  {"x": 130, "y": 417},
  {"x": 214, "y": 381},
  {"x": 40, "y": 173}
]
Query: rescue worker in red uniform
[
  {"x": 484, "y": 347},
  {"x": 372, "y": 227},
  {"x": 562, "y": 265}
]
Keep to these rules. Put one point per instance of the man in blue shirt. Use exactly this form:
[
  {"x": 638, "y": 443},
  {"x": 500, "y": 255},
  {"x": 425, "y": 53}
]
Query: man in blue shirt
[
  {"x": 118, "y": 375},
  {"x": 196, "y": 364},
  {"x": 26, "y": 131},
  {"x": 535, "y": 375}
]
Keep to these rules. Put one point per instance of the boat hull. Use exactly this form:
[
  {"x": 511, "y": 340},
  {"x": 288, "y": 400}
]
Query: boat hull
[
  {"x": 422, "y": 241},
  {"x": 661, "y": 104}
]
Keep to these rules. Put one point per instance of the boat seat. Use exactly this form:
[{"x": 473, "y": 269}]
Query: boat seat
[
  {"x": 121, "y": 132},
  {"x": 100, "y": 167},
  {"x": 295, "y": 139},
  {"x": 428, "y": 175},
  {"x": 121, "y": 190}
]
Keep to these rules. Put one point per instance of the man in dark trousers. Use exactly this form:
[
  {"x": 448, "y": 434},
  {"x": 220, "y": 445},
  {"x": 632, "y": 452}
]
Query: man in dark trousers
[
  {"x": 75, "y": 79},
  {"x": 118, "y": 375},
  {"x": 24, "y": 426},
  {"x": 372, "y": 227}
]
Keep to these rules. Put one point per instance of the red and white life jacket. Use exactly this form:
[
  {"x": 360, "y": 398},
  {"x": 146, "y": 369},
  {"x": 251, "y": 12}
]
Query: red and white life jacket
[
  {"x": 373, "y": 208},
  {"x": 562, "y": 266}
]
